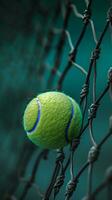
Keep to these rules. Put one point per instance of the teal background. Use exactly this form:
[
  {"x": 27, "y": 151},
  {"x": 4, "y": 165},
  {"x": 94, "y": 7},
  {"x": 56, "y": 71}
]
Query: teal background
[{"x": 23, "y": 31}]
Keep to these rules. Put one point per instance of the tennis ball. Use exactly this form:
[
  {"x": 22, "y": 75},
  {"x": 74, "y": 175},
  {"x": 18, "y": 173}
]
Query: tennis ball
[{"x": 52, "y": 119}]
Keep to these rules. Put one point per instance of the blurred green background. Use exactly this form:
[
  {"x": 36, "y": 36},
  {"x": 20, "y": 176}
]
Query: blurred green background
[{"x": 24, "y": 26}]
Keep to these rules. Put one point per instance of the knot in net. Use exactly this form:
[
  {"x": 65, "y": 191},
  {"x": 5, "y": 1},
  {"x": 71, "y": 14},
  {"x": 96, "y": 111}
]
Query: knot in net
[
  {"x": 84, "y": 91},
  {"x": 93, "y": 154},
  {"x": 60, "y": 156},
  {"x": 86, "y": 16},
  {"x": 71, "y": 186},
  {"x": 72, "y": 55},
  {"x": 92, "y": 111},
  {"x": 75, "y": 144},
  {"x": 59, "y": 182},
  {"x": 95, "y": 54}
]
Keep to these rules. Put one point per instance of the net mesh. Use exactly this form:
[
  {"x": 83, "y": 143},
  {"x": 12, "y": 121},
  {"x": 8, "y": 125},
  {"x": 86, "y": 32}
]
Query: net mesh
[{"x": 58, "y": 58}]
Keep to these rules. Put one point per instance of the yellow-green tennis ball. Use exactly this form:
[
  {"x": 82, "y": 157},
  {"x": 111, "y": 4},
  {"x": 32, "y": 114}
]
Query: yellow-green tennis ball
[{"x": 52, "y": 119}]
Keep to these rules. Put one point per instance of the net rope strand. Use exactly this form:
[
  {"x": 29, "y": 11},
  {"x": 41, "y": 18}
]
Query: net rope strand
[
  {"x": 91, "y": 115},
  {"x": 60, "y": 45},
  {"x": 33, "y": 185},
  {"x": 57, "y": 31}
]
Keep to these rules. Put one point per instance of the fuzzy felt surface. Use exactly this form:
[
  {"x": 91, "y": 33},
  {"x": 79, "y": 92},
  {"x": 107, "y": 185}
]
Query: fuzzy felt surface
[{"x": 55, "y": 115}]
